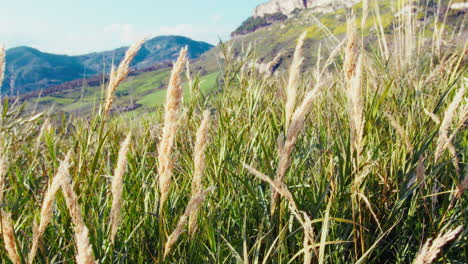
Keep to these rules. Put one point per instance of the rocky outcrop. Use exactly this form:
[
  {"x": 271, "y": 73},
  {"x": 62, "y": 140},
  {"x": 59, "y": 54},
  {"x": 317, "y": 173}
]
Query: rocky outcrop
[
  {"x": 279, "y": 6},
  {"x": 288, "y": 6}
]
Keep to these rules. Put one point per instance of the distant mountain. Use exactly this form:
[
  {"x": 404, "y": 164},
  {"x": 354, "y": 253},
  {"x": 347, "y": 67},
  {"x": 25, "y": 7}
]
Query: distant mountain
[{"x": 29, "y": 69}]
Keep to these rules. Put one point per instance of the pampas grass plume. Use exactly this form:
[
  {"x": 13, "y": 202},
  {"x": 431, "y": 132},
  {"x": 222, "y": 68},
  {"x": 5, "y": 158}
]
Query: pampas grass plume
[
  {"x": 285, "y": 148},
  {"x": 443, "y": 141},
  {"x": 47, "y": 204},
  {"x": 172, "y": 109},
  {"x": 200, "y": 164},
  {"x": 117, "y": 187},
  {"x": 429, "y": 251},
  {"x": 9, "y": 238},
  {"x": 353, "y": 69},
  {"x": 117, "y": 76},
  {"x": 193, "y": 205},
  {"x": 294, "y": 78},
  {"x": 84, "y": 248}
]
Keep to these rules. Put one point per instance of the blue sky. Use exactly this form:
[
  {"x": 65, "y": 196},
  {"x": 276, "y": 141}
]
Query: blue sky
[{"x": 81, "y": 26}]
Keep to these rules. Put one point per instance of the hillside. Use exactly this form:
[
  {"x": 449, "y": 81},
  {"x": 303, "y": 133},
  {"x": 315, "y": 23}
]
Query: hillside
[
  {"x": 325, "y": 30},
  {"x": 29, "y": 69}
]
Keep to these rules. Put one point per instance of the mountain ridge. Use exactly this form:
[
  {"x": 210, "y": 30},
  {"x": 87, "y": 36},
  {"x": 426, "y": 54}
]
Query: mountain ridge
[{"x": 29, "y": 69}]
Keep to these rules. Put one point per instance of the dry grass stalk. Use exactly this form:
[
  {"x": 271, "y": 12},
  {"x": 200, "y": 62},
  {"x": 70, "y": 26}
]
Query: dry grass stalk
[
  {"x": 421, "y": 170},
  {"x": 193, "y": 205},
  {"x": 117, "y": 76},
  {"x": 294, "y": 79},
  {"x": 432, "y": 116},
  {"x": 401, "y": 131},
  {"x": 172, "y": 109},
  {"x": 271, "y": 66},
  {"x": 285, "y": 148},
  {"x": 365, "y": 13},
  {"x": 84, "y": 248},
  {"x": 46, "y": 127},
  {"x": 47, "y": 204},
  {"x": 2, "y": 64},
  {"x": 200, "y": 164},
  {"x": 117, "y": 187},
  {"x": 308, "y": 241},
  {"x": 9, "y": 238},
  {"x": 301, "y": 216},
  {"x": 429, "y": 251},
  {"x": 443, "y": 141},
  {"x": 353, "y": 69},
  {"x": 461, "y": 188}
]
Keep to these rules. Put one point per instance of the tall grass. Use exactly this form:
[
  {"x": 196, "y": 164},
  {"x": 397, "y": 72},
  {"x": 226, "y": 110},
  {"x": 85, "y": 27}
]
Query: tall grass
[{"x": 369, "y": 163}]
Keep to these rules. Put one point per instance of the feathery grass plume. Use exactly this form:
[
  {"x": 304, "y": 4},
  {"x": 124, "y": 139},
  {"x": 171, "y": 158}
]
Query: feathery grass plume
[
  {"x": 84, "y": 248},
  {"x": 301, "y": 216},
  {"x": 294, "y": 78},
  {"x": 429, "y": 251},
  {"x": 2, "y": 64},
  {"x": 3, "y": 171},
  {"x": 200, "y": 164},
  {"x": 401, "y": 131},
  {"x": 286, "y": 147},
  {"x": 117, "y": 187},
  {"x": 46, "y": 209},
  {"x": 353, "y": 68},
  {"x": 9, "y": 238},
  {"x": 443, "y": 141},
  {"x": 193, "y": 205},
  {"x": 117, "y": 76},
  {"x": 171, "y": 112}
]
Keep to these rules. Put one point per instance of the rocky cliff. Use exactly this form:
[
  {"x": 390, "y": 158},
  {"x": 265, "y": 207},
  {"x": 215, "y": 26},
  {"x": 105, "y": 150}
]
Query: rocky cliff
[{"x": 288, "y": 6}]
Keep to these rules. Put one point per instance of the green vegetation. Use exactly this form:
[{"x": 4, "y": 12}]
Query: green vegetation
[
  {"x": 254, "y": 23},
  {"x": 375, "y": 196}
]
